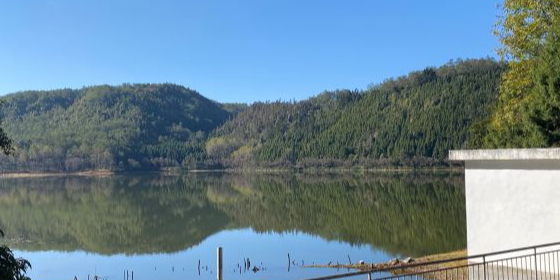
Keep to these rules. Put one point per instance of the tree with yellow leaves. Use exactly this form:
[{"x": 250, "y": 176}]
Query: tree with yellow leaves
[{"x": 524, "y": 29}]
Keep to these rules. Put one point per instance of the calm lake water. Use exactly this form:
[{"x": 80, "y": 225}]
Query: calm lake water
[{"x": 161, "y": 226}]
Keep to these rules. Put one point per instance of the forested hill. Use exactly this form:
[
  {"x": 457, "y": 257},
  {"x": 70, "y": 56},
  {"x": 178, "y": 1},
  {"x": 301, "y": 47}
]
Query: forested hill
[
  {"x": 106, "y": 127},
  {"x": 411, "y": 120}
]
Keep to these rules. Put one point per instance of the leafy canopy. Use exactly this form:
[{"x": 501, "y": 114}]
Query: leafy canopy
[{"x": 527, "y": 33}]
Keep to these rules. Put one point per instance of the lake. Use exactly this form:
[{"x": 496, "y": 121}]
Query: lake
[{"x": 162, "y": 226}]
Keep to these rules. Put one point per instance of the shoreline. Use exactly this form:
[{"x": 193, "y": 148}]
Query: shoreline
[
  {"x": 106, "y": 173},
  {"x": 92, "y": 173},
  {"x": 397, "y": 264}
]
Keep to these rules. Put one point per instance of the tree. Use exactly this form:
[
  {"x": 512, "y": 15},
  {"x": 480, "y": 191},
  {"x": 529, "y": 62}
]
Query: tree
[
  {"x": 5, "y": 141},
  {"x": 523, "y": 30},
  {"x": 543, "y": 112},
  {"x": 11, "y": 268}
]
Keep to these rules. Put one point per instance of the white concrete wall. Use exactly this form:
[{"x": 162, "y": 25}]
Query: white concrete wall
[{"x": 511, "y": 203}]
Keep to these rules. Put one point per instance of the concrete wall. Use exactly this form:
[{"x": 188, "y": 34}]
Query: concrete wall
[{"x": 511, "y": 203}]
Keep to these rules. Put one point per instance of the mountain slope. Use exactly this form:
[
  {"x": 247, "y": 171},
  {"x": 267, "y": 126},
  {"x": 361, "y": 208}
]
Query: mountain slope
[
  {"x": 414, "y": 119},
  {"x": 107, "y": 127}
]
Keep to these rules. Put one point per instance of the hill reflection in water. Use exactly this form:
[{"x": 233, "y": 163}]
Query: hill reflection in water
[{"x": 401, "y": 214}]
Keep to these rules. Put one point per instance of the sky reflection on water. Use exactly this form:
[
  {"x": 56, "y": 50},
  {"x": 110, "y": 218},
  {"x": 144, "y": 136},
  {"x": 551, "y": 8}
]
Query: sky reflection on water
[{"x": 270, "y": 249}]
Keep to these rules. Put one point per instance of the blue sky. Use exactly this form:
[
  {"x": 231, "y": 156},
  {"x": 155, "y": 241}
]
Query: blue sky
[{"x": 240, "y": 51}]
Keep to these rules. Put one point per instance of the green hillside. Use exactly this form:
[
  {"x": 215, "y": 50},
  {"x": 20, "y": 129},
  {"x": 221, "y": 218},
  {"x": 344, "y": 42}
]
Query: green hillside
[
  {"x": 411, "y": 120},
  {"x": 106, "y": 127}
]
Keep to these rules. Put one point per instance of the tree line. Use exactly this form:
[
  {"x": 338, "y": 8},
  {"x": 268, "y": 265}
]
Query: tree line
[
  {"x": 407, "y": 121},
  {"x": 127, "y": 127},
  {"x": 412, "y": 120}
]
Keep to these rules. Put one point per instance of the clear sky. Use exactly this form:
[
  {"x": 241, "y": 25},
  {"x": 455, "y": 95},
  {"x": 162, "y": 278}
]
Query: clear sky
[{"x": 240, "y": 51}]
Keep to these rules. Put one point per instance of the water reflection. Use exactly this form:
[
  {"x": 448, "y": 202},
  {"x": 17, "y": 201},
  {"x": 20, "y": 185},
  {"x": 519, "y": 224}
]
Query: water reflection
[
  {"x": 399, "y": 214},
  {"x": 130, "y": 215}
]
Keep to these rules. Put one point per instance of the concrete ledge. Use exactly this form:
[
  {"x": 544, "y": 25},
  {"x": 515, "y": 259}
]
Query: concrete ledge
[{"x": 506, "y": 154}]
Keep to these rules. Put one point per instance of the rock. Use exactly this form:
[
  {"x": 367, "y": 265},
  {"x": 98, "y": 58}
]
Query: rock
[{"x": 408, "y": 260}]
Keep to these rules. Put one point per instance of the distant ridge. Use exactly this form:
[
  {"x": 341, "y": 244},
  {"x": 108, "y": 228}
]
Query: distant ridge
[
  {"x": 408, "y": 121},
  {"x": 412, "y": 120},
  {"x": 123, "y": 127}
]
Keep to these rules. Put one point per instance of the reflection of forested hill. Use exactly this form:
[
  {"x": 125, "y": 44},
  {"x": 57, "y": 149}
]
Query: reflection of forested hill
[
  {"x": 107, "y": 215},
  {"x": 400, "y": 214},
  {"x": 410, "y": 215}
]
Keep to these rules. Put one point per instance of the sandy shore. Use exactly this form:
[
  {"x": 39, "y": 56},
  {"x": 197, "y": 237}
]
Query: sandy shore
[{"x": 97, "y": 173}]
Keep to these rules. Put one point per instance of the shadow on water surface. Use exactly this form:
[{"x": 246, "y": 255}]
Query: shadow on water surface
[{"x": 402, "y": 214}]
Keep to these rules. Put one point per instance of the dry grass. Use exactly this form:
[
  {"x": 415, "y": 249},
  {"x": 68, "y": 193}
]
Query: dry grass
[{"x": 414, "y": 269}]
